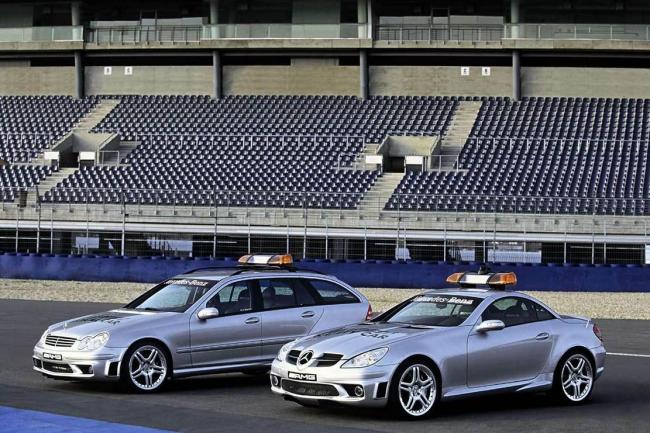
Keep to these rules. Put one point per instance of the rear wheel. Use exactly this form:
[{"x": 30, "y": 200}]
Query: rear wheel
[
  {"x": 414, "y": 390},
  {"x": 574, "y": 378},
  {"x": 145, "y": 367}
]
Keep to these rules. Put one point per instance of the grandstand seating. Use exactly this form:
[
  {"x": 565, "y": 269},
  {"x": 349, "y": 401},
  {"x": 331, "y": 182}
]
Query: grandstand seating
[
  {"x": 544, "y": 155},
  {"x": 16, "y": 177},
  {"x": 250, "y": 150},
  {"x": 29, "y": 124}
]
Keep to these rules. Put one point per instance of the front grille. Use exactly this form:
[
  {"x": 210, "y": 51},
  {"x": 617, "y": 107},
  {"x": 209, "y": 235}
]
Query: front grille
[
  {"x": 309, "y": 389},
  {"x": 328, "y": 359},
  {"x": 292, "y": 356},
  {"x": 58, "y": 341},
  {"x": 56, "y": 368},
  {"x": 325, "y": 360}
]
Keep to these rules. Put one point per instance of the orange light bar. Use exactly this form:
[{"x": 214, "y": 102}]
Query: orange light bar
[
  {"x": 503, "y": 279},
  {"x": 281, "y": 259},
  {"x": 455, "y": 278},
  {"x": 244, "y": 259}
]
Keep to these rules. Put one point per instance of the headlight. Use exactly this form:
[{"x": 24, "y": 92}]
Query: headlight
[
  {"x": 41, "y": 340},
  {"x": 93, "y": 343},
  {"x": 284, "y": 350},
  {"x": 366, "y": 359}
]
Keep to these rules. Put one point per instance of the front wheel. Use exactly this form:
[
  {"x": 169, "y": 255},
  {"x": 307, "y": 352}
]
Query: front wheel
[
  {"x": 574, "y": 379},
  {"x": 145, "y": 367},
  {"x": 413, "y": 391}
]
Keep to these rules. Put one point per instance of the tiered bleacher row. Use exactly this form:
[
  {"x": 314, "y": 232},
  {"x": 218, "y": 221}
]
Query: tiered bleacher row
[
  {"x": 249, "y": 150},
  {"x": 29, "y": 125},
  {"x": 544, "y": 155}
]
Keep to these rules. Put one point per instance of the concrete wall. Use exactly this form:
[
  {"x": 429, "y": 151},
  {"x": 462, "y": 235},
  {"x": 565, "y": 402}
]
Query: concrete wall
[
  {"x": 20, "y": 79},
  {"x": 321, "y": 12},
  {"x": 301, "y": 79},
  {"x": 16, "y": 15},
  {"x": 150, "y": 80},
  {"x": 439, "y": 80},
  {"x": 596, "y": 82}
]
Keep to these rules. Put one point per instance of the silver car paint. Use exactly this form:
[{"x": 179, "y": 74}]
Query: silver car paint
[
  {"x": 226, "y": 343},
  {"x": 519, "y": 359}
]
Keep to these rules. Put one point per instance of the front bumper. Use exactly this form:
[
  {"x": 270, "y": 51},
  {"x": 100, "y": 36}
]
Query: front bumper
[
  {"x": 102, "y": 364},
  {"x": 334, "y": 384}
]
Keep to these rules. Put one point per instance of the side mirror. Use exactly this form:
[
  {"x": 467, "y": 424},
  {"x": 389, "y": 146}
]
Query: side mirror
[
  {"x": 207, "y": 313},
  {"x": 490, "y": 325}
]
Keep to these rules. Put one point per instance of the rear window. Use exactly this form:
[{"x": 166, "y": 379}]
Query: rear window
[{"x": 332, "y": 293}]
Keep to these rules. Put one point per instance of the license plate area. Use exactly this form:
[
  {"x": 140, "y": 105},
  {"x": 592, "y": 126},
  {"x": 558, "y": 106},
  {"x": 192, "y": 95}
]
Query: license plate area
[
  {"x": 52, "y": 356},
  {"x": 308, "y": 377}
]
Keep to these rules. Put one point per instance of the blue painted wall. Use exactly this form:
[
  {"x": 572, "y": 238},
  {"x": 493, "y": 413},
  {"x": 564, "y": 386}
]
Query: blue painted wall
[{"x": 610, "y": 278}]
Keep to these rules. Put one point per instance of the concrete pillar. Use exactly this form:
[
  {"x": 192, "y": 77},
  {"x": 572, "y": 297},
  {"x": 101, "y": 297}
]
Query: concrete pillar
[
  {"x": 75, "y": 13},
  {"x": 514, "y": 17},
  {"x": 79, "y": 72},
  {"x": 362, "y": 18},
  {"x": 217, "y": 75},
  {"x": 516, "y": 76},
  {"x": 363, "y": 75},
  {"x": 214, "y": 11}
]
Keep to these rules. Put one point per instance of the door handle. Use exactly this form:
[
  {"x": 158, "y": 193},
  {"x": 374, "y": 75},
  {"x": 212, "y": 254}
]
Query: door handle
[
  {"x": 252, "y": 320},
  {"x": 542, "y": 336},
  {"x": 307, "y": 314}
]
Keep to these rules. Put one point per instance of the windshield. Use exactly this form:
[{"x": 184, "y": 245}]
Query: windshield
[
  {"x": 432, "y": 310},
  {"x": 173, "y": 295}
]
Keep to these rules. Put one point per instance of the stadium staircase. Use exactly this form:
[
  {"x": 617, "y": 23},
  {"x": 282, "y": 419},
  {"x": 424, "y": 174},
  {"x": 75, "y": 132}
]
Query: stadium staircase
[
  {"x": 97, "y": 114},
  {"x": 375, "y": 199},
  {"x": 459, "y": 130},
  {"x": 48, "y": 183}
]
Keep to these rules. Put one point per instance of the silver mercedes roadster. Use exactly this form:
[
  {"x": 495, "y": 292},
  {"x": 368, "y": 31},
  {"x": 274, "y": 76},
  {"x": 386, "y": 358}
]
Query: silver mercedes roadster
[
  {"x": 206, "y": 321},
  {"x": 445, "y": 344}
]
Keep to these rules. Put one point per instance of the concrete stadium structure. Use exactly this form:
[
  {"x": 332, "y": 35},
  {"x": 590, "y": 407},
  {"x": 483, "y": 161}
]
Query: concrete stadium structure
[{"x": 358, "y": 48}]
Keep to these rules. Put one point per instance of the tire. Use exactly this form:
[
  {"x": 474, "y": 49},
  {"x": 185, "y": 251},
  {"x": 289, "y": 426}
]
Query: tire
[
  {"x": 145, "y": 367},
  {"x": 409, "y": 397},
  {"x": 573, "y": 380}
]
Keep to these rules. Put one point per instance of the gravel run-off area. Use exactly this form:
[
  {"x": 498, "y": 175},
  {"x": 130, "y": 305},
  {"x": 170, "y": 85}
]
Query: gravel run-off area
[{"x": 590, "y": 304}]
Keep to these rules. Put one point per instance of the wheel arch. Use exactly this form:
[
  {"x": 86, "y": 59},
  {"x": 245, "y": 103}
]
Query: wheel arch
[
  {"x": 159, "y": 342},
  {"x": 424, "y": 358},
  {"x": 573, "y": 350}
]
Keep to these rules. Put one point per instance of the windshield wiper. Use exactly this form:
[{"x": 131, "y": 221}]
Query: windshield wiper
[
  {"x": 147, "y": 309},
  {"x": 412, "y": 325}
]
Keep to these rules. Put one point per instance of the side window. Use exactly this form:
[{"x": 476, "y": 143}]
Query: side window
[
  {"x": 332, "y": 293},
  {"x": 232, "y": 299},
  {"x": 284, "y": 293},
  {"x": 542, "y": 313},
  {"x": 511, "y": 311}
]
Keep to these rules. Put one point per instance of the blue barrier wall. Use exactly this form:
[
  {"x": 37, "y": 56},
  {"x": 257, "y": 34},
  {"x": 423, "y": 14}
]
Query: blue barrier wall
[{"x": 598, "y": 278}]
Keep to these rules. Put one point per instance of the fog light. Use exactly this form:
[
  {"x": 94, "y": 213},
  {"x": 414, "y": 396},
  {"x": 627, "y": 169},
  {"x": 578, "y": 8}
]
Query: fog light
[
  {"x": 275, "y": 381},
  {"x": 358, "y": 391}
]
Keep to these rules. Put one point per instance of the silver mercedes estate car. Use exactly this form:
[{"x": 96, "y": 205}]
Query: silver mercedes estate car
[
  {"x": 205, "y": 321},
  {"x": 445, "y": 344}
]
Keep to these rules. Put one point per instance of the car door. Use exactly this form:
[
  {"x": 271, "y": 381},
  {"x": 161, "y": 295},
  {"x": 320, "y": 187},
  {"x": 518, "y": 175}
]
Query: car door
[
  {"x": 289, "y": 311},
  {"x": 516, "y": 353},
  {"x": 234, "y": 337}
]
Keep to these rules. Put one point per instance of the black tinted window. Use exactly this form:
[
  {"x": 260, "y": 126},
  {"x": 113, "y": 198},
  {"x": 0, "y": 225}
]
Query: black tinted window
[
  {"x": 511, "y": 311},
  {"x": 233, "y": 299},
  {"x": 332, "y": 293},
  {"x": 284, "y": 293},
  {"x": 542, "y": 313}
]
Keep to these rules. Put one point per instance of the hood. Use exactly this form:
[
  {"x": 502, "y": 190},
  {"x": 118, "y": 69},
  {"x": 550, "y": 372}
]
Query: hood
[
  {"x": 110, "y": 321},
  {"x": 355, "y": 339}
]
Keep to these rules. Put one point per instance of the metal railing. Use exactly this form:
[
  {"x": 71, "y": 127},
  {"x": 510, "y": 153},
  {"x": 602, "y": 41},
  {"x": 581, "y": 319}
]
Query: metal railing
[
  {"x": 285, "y": 31},
  {"x": 42, "y": 34},
  {"x": 143, "y": 34},
  {"x": 421, "y": 32},
  {"x": 630, "y": 32}
]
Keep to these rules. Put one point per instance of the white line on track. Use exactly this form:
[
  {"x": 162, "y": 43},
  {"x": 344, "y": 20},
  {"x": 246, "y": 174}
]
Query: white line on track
[{"x": 634, "y": 355}]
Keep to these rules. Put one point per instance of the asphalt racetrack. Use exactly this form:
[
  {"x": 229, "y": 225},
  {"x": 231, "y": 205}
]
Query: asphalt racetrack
[{"x": 239, "y": 403}]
